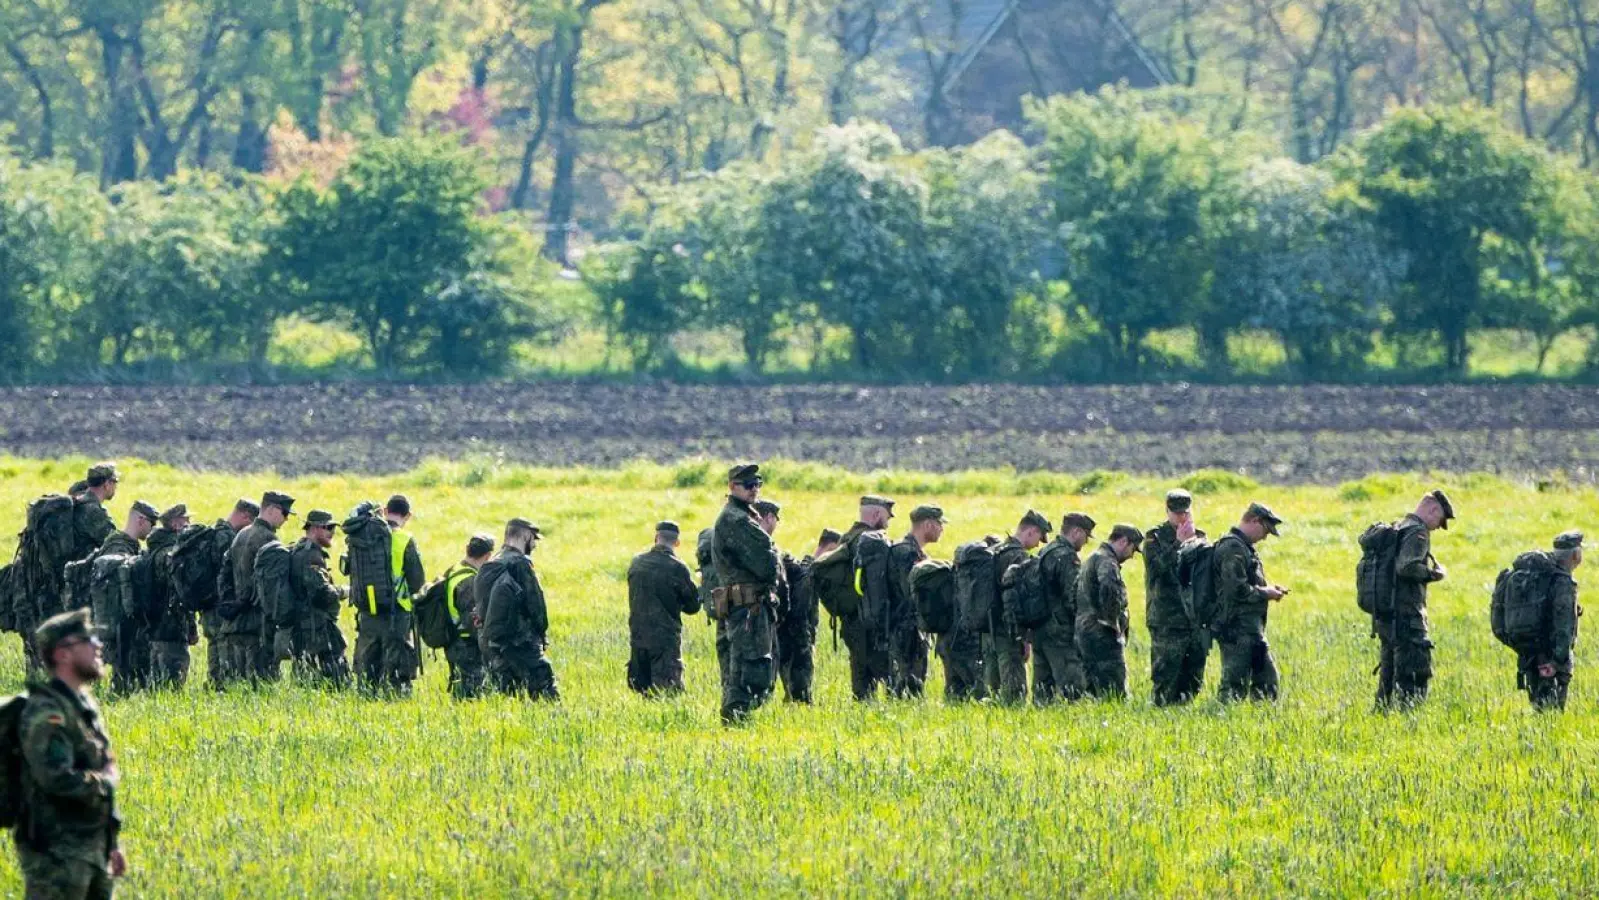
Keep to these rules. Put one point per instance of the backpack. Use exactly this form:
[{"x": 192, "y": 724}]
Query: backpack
[
  {"x": 44, "y": 547},
  {"x": 11, "y": 761},
  {"x": 1519, "y": 612},
  {"x": 369, "y": 561},
  {"x": 435, "y": 621},
  {"x": 1374, "y": 574},
  {"x": 143, "y": 600},
  {"x": 75, "y": 580},
  {"x": 933, "y": 594},
  {"x": 976, "y": 585},
  {"x": 871, "y": 549},
  {"x": 833, "y": 579},
  {"x": 10, "y": 576},
  {"x": 271, "y": 575},
  {"x": 1196, "y": 580},
  {"x": 1023, "y": 593},
  {"x": 110, "y": 586},
  {"x": 49, "y": 534},
  {"x": 193, "y": 568}
]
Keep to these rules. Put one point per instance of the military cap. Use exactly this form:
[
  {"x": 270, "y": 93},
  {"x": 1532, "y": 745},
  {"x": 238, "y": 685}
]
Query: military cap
[
  {"x": 1444, "y": 504},
  {"x": 58, "y": 629},
  {"x": 174, "y": 513},
  {"x": 769, "y": 508},
  {"x": 1568, "y": 540},
  {"x": 78, "y": 487},
  {"x": 101, "y": 472},
  {"x": 319, "y": 518},
  {"x": 829, "y": 536},
  {"x": 1263, "y": 513},
  {"x": 1037, "y": 520},
  {"x": 246, "y": 505},
  {"x": 745, "y": 472},
  {"x": 667, "y": 527},
  {"x": 1179, "y": 500},
  {"x": 146, "y": 510},
  {"x": 521, "y": 524},
  {"x": 281, "y": 501},
  {"x": 1078, "y": 520},
  {"x": 928, "y": 514},
  {"x": 1128, "y": 533},
  {"x": 875, "y": 500}
]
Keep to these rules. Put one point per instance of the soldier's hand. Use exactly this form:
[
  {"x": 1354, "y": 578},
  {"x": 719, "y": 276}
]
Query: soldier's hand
[
  {"x": 1185, "y": 531},
  {"x": 1547, "y": 670},
  {"x": 118, "y": 864},
  {"x": 1274, "y": 592},
  {"x": 1439, "y": 573}
]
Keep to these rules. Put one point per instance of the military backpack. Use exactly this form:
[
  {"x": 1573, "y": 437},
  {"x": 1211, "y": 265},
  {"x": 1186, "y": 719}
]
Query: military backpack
[
  {"x": 1375, "y": 573},
  {"x": 44, "y": 547},
  {"x": 976, "y": 585},
  {"x": 833, "y": 579},
  {"x": 11, "y": 759},
  {"x": 933, "y": 595},
  {"x": 437, "y": 610},
  {"x": 110, "y": 595},
  {"x": 1022, "y": 593},
  {"x": 1519, "y": 612},
  {"x": 194, "y": 567},
  {"x": 1196, "y": 581}
]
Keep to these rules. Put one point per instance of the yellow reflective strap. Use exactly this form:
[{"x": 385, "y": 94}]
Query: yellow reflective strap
[
  {"x": 452, "y": 580},
  {"x": 371, "y": 600},
  {"x": 859, "y": 591},
  {"x": 398, "y": 541}
]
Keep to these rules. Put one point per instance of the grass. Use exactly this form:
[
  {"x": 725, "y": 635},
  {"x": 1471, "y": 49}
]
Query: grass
[{"x": 288, "y": 792}]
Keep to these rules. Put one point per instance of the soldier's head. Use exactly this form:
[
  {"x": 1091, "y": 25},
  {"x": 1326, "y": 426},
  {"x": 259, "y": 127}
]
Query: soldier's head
[
  {"x": 1258, "y": 523},
  {"x": 319, "y": 527},
  {"x": 770, "y": 514},
  {"x": 1033, "y": 529},
  {"x": 1125, "y": 540},
  {"x": 876, "y": 511},
  {"x": 176, "y": 518},
  {"x": 1568, "y": 550},
  {"x": 398, "y": 510},
  {"x": 102, "y": 480},
  {"x": 68, "y": 648},
  {"x": 927, "y": 524},
  {"x": 276, "y": 507},
  {"x": 141, "y": 520},
  {"x": 478, "y": 550},
  {"x": 1435, "y": 510},
  {"x": 521, "y": 534},
  {"x": 829, "y": 540},
  {"x": 744, "y": 482},
  {"x": 1179, "y": 507},
  {"x": 1076, "y": 529},
  {"x": 668, "y": 534},
  {"x": 244, "y": 512}
]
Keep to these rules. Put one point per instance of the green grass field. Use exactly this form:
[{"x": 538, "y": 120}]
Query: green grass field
[{"x": 289, "y": 792}]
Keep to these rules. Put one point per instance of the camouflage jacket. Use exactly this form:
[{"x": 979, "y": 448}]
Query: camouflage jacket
[
  {"x": 742, "y": 552},
  {"x": 1006, "y": 554},
  {"x": 1060, "y": 565},
  {"x": 118, "y": 543},
  {"x": 508, "y": 594},
  {"x": 660, "y": 591},
  {"x": 1564, "y": 611},
  {"x": 311, "y": 598},
  {"x": 176, "y": 624},
  {"x": 1101, "y": 592},
  {"x": 902, "y": 557},
  {"x": 798, "y": 612},
  {"x": 240, "y": 562},
  {"x": 1239, "y": 578},
  {"x": 69, "y": 778},
  {"x": 91, "y": 525},
  {"x": 1414, "y": 567},
  {"x": 1163, "y": 596}
]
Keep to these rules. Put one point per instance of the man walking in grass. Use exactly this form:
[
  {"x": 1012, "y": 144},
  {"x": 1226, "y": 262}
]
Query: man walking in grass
[{"x": 1248, "y": 670}]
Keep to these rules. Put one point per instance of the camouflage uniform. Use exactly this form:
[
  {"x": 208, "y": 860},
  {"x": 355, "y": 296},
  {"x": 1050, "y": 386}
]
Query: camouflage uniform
[
  {"x": 1406, "y": 666},
  {"x": 211, "y": 622},
  {"x": 91, "y": 524},
  {"x": 1102, "y": 624},
  {"x": 311, "y": 616},
  {"x": 1555, "y": 647},
  {"x": 1057, "y": 667},
  {"x": 516, "y": 626},
  {"x": 747, "y": 568},
  {"x": 660, "y": 591},
  {"x": 866, "y": 633},
  {"x": 708, "y": 583},
  {"x": 797, "y": 619},
  {"x": 468, "y": 675},
  {"x": 69, "y": 824},
  {"x": 174, "y": 632},
  {"x": 1177, "y": 646},
  {"x": 1004, "y": 662},
  {"x": 1247, "y": 667},
  {"x": 244, "y": 651},
  {"x": 907, "y": 649}
]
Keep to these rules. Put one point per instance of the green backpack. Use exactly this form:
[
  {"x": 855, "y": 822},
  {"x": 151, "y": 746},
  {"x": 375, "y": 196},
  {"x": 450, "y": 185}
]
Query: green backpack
[
  {"x": 1374, "y": 574},
  {"x": 833, "y": 578},
  {"x": 1022, "y": 593},
  {"x": 933, "y": 593},
  {"x": 436, "y": 621},
  {"x": 1519, "y": 612}
]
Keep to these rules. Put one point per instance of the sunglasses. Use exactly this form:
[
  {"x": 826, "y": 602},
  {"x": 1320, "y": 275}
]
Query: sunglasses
[
  {"x": 92, "y": 641},
  {"x": 751, "y": 485}
]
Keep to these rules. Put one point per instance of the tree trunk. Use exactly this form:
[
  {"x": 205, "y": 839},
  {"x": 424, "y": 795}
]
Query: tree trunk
[
  {"x": 47, "y": 116},
  {"x": 563, "y": 191},
  {"x": 121, "y": 161}
]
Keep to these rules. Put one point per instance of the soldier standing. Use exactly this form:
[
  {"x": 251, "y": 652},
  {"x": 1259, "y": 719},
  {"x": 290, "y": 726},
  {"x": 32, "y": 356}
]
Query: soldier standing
[
  {"x": 866, "y": 634},
  {"x": 385, "y": 628},
  {"x": 1242, "y": 594},
  {"x": 246, "y": 651},
  {"x": 1177, "y": 644},
  {"x": 222, "y": 537},
  {"x": 907, "y": 647},
  {"x": 660, "y": 591},
  {"x": 467, "y": 673},
  {"x": 516, "y": 620},
  {"x": 173, "y": 632},
  {"x": 67, "y": 834},
  {"x": 1057, "y": 667},
  {"x": 1102, "y": 620},
  {"x": 1004, "y": 647},
  {"x": 797, "y": 620},
  {"x": 746, "y": 571},
  {"x": 1405, "y": 669},
  {"x": 1545, "y": 668},
  {"x": 305, "y": 614},
  {"x": 90, "y": 521}
]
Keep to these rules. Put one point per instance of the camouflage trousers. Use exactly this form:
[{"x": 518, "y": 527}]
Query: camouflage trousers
[
  {"x": 723, "y": 653},
  {"x": 1104, "y": 656},
  {"x": 1247, "y": 667},
  {"x": 169, "y": 663},
  {"x": 751, "y": 662},
  {"x": 907, "y": 658},
  {"x": 385, "y": 651},
  {"x": 656, "y": 669},
  {"x": 869, "y": 664},
  {"x": 46, "y": 876},
  {"x": 522, "y": 669},
  {"x": 211, "y": 625},
  {"x": 1005, "y": 665},
  {"x": 796, "y": 663},
  {"x": 1405, "y": 669},
  {"x": 130, "y": 663},
  {"x": 1177, "y": 663},
  {"x": 468, "y": 675},
  {"x": 961, "y": 651},
  {"x": 318, "y": 651},
  {"x": 242, "y": 656},
  {"x": 1545, "y": 693},
  {"x": 1057, "y": 669}
]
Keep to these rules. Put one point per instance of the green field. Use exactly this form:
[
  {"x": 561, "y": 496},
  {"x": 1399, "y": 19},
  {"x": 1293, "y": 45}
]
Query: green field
[{"x": 289, "y": 792}]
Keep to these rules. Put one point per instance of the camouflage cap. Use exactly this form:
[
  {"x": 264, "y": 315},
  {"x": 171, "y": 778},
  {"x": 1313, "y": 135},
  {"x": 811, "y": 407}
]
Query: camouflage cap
[
  {"x": 928, "y": 514},
  {"x": 1568, "y": 541},
  {"x": 769, "y": 508},
  {"x": 829, "y": 536},
  {"x": 1078, "y": 520},
  {"x": 875, "y": 500},
  {"x": 1444, "y": 504},
  {"x": 743, "y": 472},
  {"x": 174, "y": 513},
  {"x": 1179, "y": 500},
  {"x": 280, "y": 500},
  {"x": 1036, "y": 519},
  {"x": 246, "y": 505},
  {"x": 318, "y": 518},
  {"x": 102, "y": 472},
  {"x": 521, "y": 524},
  {"x": 667, "y": 527},
  {"x": 147, "y": 510},
  {"x": 1128, "y": 533},
  {"x": 58, "y": 629},
  {"x": 1263, "y": 513}
]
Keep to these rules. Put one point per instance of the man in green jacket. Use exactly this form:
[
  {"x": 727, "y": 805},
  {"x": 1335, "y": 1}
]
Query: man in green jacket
[
  {"x": 1545, "y": 669},
  {"x": 1004, "y": 644},
  {"x": 1405, "y": 668},
  {"x": 516, "y": 621},
  {"x": 660, "y": 591},
  {"x": 746, "y": 570},
  {"x": 1242, "y": 595},
  {"x": 246, "y": 645},
  {"x": 1177, "y": 644},
  {"x": 1057, "y": 666},
  {"x": 1102, "y": 619},
  {"x": 173, "y": 632},
  {"x": 305, "y": 616}
]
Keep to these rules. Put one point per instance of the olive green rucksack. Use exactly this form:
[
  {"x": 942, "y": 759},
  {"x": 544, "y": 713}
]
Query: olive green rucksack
[
  {"x": 1519, "y": 612},
  {"x": 833, "y": 578},
  {"x": 933, "y": 593}
]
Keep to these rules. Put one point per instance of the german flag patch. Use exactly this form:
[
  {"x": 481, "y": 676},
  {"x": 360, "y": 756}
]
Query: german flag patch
[{"x": 56, "y": 719}]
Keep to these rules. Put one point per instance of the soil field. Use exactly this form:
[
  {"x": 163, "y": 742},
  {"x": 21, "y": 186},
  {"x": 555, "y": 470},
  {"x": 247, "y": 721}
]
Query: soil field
[{"x": 1286, "y": 434}]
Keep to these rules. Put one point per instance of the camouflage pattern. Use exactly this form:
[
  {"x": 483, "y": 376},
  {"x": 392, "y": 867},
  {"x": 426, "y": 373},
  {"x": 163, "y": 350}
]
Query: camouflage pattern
[
  {"x": 1057, "y": 667},
  {"x": 907, "y": 648},
  {"x": 660, "y": 591},
  {"x": 798, "y": 616},
  {"x": 171, "y": 635},
  {"x": 515, "y": 626},
  {"x": 1102, "y": 624},
  {"x": 91, "y": 525},
  {"x": 1405, "y": 669},
  {"x": 211, "y": 621},
  {"x": 866, "y": 633},
  {"x": 386, "y": 654},
  {"x": 242, "y": 652},
  {"x": 312, "y": 616},
  {"x": 69, "y": 786},
  {"x": 1004, "y": 653},
  {"x": 1177, "y": 647},
  {"x": 746, "y": 561},
  {"x": 1247, "y": 667},
  {"x": 1549, "y": 692}
]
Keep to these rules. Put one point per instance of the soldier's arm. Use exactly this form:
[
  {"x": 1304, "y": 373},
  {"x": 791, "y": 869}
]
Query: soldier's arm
[
  {"x": 1413, "y": 561},
  {"x": 1160, "y": 558},
  {"x": 96, "y": 524},
  {"x": 538, "y": 612},
  {"x": 1114, "y": 594},
  {"x": 688, "y": 595},
  {"x": 415, "y": 577},
  {"x": 1234, "y": 582},
  {"x": 755, "y": 551},
  {"x": 47, "y": 749},
  {"x": 1563, "y": 622}
]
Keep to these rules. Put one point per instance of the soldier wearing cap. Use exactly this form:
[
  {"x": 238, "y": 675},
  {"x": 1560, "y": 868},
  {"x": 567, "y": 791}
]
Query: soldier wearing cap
[
  {"x": 660, "y": 591},
  {"x": 218, "y": 542},
  {"x": 790, "y": 576},
  {"x": 746, "y": 572},
  {"x": 90, "y": 521},
  {"x": 866, "y": 634},
  {"x": 245, "y": 650},
  {"x": 1057, "y": 667},
  {"x": 386, "y": 652},
  {"x": 126, "y": 648},
  {"x": 797, "y": 622},
  {"x": 1004, "y": 648},
  {"x": 1102, "y": 620},
  {"x": 173, "y": 631},
  {"x": 304, "y": 618},
  {"x": 67, "y": 833},
  {"x": 1242, "y": 594},
  {"x": 1177, "y": 644},
  {"x": 468, "y": 674},
  {"x": 516, "y": 621},
  {"x": 907, "y": 646},
  {"x": 1544, "y": 667},
  {"x": 1405, "y": 669}
]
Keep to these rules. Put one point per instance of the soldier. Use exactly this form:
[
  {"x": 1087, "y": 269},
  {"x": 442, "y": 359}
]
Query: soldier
[
  {"x": 1177, "y": 645},
  {"x": 1102, "y": 620},
  {"x": 467, "y": 673},
  {"x": 1406, "y": 665},
  {"x": 1057, "y": 668},
  {"x": 1544, "y": 669},
  {"x": 129, "y": 657},
  {"x": 866, "y": 633},
  {"x": 1004, "y": 650},
  {"x": 703, "y": 557},
  {"x": 797, "y": 619},
  {"x": 126, "y": 542},
  {"x": 222, "y": 536},
  {"x": 907, "y": 648},
  {"x": 67, "y": 833},
  {"x": 246, "y": 650},
  {"x": 660, "y": 591},
  {"x": 173, "y": 632},
  {"x": 769, "y": 513},
  {"x": 516, "y": 623},
  {"x": 746, "y": 571},
  {"x": 305, "y": 611},
  {"x": 1242, "y": 595},
  {"x": 90, "y": 521},
  {"x": 385, "y": 631}
]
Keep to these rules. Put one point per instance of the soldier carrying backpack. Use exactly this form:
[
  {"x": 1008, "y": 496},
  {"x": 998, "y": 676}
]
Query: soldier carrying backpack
[
  {"x": 31, "y": 586},
  {"x": 1535, "y": 612},
  {"x": 1395, "y": 570}
]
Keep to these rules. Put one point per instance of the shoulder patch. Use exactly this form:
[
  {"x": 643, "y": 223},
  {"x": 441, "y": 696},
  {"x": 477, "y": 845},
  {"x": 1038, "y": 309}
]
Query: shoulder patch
[{"x": 56, "y": 719}]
